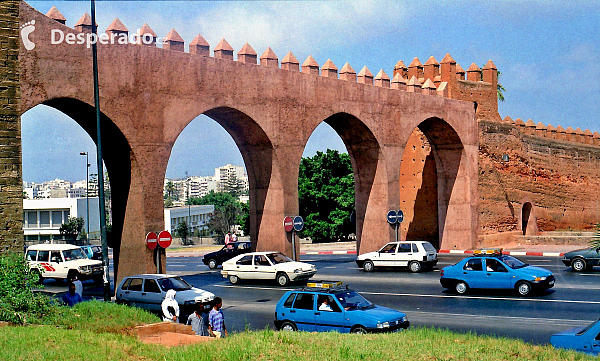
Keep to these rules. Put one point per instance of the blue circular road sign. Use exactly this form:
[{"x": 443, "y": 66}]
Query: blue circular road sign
[
  {"x": 298, "y": 223},
  {"x": 400, "y": 216},
  {"x": 392, "y": 216}
]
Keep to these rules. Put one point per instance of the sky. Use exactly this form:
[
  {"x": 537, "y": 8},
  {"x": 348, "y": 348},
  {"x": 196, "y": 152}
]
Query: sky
[{"x": 546, "y": 51}]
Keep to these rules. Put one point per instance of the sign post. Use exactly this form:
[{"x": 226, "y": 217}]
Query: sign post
[
  {"x": 293, "y": 225},
  {"x": 395, "y": 218},
  {"x": 151, "y": 243}
]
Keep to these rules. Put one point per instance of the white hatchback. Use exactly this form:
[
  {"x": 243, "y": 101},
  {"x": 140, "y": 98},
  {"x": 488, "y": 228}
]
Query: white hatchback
[
  {"x": 266, "y": 266},
  {"x": 55, "y": 261},
  {"x": 415, "y": 255}
]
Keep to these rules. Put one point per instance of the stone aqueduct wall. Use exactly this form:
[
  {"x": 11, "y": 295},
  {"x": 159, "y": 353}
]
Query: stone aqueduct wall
[{"x": 11, "y": 186}]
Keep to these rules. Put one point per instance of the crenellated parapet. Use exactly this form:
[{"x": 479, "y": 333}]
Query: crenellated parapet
[
  {"x": 439, "y": 83},
  {"x": 556, "y": 133}
]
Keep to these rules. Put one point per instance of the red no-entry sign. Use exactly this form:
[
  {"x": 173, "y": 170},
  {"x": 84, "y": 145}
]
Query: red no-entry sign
[
  {"x": 151, "y": 240},
  {"x": 288, "y": 224},
  {"x": 164, "y": 239}
]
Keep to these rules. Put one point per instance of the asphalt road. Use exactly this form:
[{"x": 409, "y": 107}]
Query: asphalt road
[{"x": 574, "y": 300}]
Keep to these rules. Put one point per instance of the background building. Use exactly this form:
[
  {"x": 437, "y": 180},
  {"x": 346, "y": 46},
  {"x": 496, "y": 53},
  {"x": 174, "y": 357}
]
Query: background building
[
  {"x": 196, "y": 217},
  {"x": 43, "y": 217}
]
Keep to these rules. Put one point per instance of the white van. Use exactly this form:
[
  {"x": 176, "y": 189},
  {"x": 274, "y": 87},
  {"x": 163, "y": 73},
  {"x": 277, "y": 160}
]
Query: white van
[{"x": 55, "y": 261}]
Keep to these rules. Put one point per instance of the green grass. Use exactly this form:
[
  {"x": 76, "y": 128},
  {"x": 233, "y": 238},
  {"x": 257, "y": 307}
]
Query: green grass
[{"x": 96, "y": 331}]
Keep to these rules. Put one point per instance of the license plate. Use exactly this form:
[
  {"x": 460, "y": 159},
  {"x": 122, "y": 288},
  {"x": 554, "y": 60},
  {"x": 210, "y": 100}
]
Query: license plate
[{"x": 551, "y": 283}]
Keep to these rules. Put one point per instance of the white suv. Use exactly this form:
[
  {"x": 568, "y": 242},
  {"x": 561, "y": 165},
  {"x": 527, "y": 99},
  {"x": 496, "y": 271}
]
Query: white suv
[
  {"x": 414, "y": 254},
  {"x": 55, "y": 261}
]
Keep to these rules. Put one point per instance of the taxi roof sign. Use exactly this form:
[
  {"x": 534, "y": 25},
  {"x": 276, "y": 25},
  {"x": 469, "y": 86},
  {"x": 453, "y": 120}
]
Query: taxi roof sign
[
  {"x": 487, "y": 251},
  {"x": 324, "y": 284}
]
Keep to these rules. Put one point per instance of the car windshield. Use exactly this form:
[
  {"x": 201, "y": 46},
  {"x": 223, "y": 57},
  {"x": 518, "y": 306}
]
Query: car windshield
[
  {"x": 512, "y": 262},
  {"x": 174, "y": 283},
  {"x": 276, "y": 258},
  {"x": 428, "y": 247},
  {"x": 73, "y": 254},
  {"x": 351, "y": 300}
]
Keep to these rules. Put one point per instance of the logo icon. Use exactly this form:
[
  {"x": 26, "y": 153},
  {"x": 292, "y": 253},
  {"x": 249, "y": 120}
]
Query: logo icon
[{"x": 25, "y": 30}]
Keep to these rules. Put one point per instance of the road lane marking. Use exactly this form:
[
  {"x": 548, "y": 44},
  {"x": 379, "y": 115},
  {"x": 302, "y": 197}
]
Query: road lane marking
[
  {"x": 589, "y": 274},
  {"x": 481, "y": 298},
  {"x": 530, "y": 320},
  {"x": 329, "y": 267}
]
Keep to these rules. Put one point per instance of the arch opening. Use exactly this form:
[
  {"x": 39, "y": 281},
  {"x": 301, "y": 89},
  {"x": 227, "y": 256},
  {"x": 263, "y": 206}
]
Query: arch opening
[
  {"x": 365, "y": 155},
  {"x": 254, "y": 150},
  {"x": 117, "y": 157},
  {"x": 428, "y": 171},
  {"x": 526, "y": 217}
]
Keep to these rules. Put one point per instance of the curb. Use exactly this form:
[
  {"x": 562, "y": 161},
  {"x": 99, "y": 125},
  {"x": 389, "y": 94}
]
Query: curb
[
  {"x": 511, "y": 253},
  {"x": 328, "y": 252}
]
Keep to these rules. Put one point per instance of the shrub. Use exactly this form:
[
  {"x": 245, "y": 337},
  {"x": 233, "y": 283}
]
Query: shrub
[{"x": 18, "y": 303}]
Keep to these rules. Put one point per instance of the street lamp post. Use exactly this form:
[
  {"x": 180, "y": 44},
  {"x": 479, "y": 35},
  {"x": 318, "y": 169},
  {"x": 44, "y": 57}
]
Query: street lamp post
[{"x": 87, "y": 197}]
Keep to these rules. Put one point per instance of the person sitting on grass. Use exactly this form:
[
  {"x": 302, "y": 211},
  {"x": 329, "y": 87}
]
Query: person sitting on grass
[{"x": 71, "y": 298}]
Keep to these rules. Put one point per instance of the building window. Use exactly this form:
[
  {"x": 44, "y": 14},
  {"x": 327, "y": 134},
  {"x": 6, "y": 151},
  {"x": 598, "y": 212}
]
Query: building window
[
  {"x": 57, "y": 218},
  {"x": 32, "y": 220},
  {"x": 44, "y": 219}
]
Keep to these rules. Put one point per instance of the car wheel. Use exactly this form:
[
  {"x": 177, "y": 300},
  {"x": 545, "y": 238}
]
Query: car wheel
[
  {"x": 288, "y": 326},
  {"x": 234, "y": 279},
  {"x": 578, "y": 265},
  {"x": 39, "y": 274},
  {"x": 212, "y": 264},
  {"x": 524, "y": 288},
  {"x": 368, "y": 266},
  {"x": 461, "y": 287},
  {"x": 415, "y": 266},
  {"x": 283, "y": 279},
  {"x": 359, "y": 329}
]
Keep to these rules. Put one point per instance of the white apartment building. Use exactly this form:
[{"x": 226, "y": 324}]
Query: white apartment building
[
  {"x": 196, "y": 217},
  {"x": 43, "y": 217}
]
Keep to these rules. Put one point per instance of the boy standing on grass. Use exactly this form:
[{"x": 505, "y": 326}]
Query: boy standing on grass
[
  {"x": 71, "y": 298},
  {"x": 216, "y": 320}
]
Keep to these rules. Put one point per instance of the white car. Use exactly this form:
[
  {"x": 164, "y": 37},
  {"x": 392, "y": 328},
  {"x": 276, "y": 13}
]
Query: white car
[
  {"x": 415, "y": 255},
  {"x": 55, "y": 261},
  {"x": 266, "y": 266}
]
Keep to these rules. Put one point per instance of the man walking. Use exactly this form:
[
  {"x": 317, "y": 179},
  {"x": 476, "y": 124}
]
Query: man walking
[{"x": 216, "y": 320}]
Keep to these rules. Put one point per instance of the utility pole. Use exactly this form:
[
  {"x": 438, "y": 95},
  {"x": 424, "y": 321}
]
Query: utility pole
[
  {"x": 87, "y": 196},
  {"x": 107, "y": 293}
]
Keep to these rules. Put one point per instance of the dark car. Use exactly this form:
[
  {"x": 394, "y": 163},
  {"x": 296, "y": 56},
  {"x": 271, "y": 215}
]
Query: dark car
[
  {"x": 582, "y": 259},
  {"x": 214, "y": 259},
  {"x": 93, "y": 252}
]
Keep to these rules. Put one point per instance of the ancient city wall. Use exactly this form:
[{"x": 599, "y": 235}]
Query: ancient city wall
[
  {"x": 558, "y": 172},
  {"x": 11, "y": 192}
]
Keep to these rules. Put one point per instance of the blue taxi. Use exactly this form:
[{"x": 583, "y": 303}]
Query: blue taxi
[
  {"x": 583, "y": 339},
  {"x": 492, "y": 269},
  {"x": 330, "y": 306}
]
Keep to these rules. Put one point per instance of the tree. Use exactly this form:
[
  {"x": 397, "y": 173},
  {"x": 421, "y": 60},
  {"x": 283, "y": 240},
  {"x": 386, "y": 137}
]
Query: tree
[
  {"x": 233, "y": 186},
  {"x": 500, "y": 89},
  {"x": 326, "y": 195},
  {"x": 170, "y": 194},
  {"x": 183, "y": 231},
  {"x": 228, "y": 212},
  {"x": 595, "y": 242},
  {"x": 72, "y": 228}
]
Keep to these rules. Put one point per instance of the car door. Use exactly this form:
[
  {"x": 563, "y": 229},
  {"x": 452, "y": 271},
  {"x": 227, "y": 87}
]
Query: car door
[
  {"x": 387, "y": 256},
  {"x": 133, "y": 293},
  {"x": 303, "y": 312},
  {"x": 329, "y": 320},
  {"x": 472, "y": 273},
  {"x": 263, "y": 269},
  {"x": 243, "y": 267},
  {"x": 496, "y": 274},
  {"x": 405, "y": 254},
  {"x": 57, "y": 261},
  {"x": 152, "y": 295}
]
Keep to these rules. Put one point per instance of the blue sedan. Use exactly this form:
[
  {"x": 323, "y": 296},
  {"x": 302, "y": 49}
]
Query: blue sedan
[
  {"x": 495, "y": 271},
  {"x": 584, "y": 339},
  {"x": 332, "y": 307}
]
